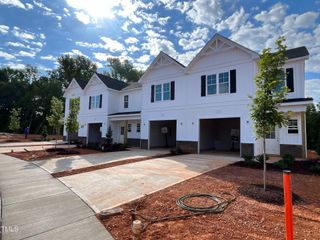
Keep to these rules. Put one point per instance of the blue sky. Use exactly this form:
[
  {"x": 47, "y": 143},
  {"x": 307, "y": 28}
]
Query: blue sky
[{"x": 37, "y": 32}]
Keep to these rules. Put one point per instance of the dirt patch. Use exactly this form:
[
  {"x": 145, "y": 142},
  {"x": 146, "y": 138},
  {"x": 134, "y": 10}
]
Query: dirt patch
[
  {"x": 245, "y": 218},
  {"x": 105, "y": 165},
  {"x": 313, "y": 155},
  {"x": 11, "y": 138},
  {"x": 51, "y": 153}
]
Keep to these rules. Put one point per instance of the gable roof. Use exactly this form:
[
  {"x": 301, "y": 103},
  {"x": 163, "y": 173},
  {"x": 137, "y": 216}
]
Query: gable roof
[
  {"x": 159, "y": 56},
  {"x": 82, "y": 83},
  {"x": 111, "y": 82},
  {"x": 297, "y": 52},
  {"x": 132, "y": 85}
]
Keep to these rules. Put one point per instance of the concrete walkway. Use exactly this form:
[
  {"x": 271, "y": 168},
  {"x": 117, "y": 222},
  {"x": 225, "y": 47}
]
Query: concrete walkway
[
  {"x": 37, "y": 206},
  {"x": 81, "y": 161},
  {"x": 107, "y": 188}
]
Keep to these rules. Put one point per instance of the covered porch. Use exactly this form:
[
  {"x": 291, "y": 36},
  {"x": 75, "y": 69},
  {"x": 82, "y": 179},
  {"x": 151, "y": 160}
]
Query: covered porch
[{"x": 126, "y": 127}]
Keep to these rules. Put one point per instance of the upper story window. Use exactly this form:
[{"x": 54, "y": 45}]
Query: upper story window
[
  {"x": 212, "y": 84},
  {"x": 166, "y": 91},
  {"x": 138, "y": 127},
  {"x": 126, "y": 101},
  {"x": 158, "y": 92},
  {"x": 287, "y": 79},
  {"x": 163, "y": 92},
  {"x": 224, "y": 82},
  {"x": 95, "y": 101},
  {"x": 293, "y": 126},
  {"x": 219, "y": 83}
]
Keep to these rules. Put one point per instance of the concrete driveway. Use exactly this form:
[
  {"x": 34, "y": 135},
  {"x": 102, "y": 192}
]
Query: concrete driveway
[
  {"x": 107, "y": 188},
  {"x": 81, "y": 161}
]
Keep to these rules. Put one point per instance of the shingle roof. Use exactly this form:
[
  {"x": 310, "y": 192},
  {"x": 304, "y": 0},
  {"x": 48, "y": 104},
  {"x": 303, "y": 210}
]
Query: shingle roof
[
  {"x": 111, "y": 82},
  {"x": 297, "y": 52},
  {"x": 133, "y": 85},
  {"x": 82, "y": 83},
  {"x": 125, "y": 113},
  {"x": 297, "y": 100}
]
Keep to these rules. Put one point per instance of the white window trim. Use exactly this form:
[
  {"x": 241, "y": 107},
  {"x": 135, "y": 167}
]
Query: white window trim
[
  {"x": 95, "y": 102},
  {"x": 138, "y": 128},
  {"x": 217, "y": 83},
  {"x": 129, "y": 127},
  {"x": 162, "y": 92},
  {"x": 126, "y": 101},
  {"x": 293, "y": 128}
]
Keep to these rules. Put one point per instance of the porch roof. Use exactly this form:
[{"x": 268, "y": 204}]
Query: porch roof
[{"x": 133, "y": 115}]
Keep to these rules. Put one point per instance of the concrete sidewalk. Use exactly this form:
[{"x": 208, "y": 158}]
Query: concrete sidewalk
[
  {"x": 37, "y": 206},
  {"x": 81, "y": 161},
  {"x": 28, "y": 144}
]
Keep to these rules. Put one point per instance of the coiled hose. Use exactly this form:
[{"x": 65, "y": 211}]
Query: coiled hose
[{"x": 219, "y": 206}]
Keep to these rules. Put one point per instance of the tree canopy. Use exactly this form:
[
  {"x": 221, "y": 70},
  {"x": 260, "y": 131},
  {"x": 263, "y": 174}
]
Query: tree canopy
[{"x": 123, "y": 71}]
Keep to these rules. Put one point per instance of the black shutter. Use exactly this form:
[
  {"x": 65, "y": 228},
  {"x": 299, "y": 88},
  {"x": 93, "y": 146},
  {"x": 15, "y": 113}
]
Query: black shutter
[
  {"x": 152, "y": 93},
  {"x": 172, "y": 90},
  {"x": 90, "y": 102},
  {"x": 203, "y": 85},
  {"x": 233, "y": 81},
  {"x": 290, "y": 82},
  {"x": 100, "y": 101}
]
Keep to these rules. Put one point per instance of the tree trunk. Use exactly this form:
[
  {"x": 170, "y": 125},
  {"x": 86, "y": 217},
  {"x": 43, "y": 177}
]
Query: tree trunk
[{"x": 264, "y": 164}]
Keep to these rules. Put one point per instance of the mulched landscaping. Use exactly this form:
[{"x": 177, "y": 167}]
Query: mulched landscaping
[
  {"x": 248, "y": 217},
  {"x": 51, "y": 153},
  {"x": 12, "y": 138}
]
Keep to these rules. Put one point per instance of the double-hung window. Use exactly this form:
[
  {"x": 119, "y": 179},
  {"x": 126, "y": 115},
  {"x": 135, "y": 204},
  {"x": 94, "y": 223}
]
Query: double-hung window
[
  {"x": 224, "y": 82},
  {"x": 293, "y": 126},
  {"x": 95, "y": 102},
  {"x": 129, "y": 127},
  {"x": 138, "y": 127},
  {"x": 271, "y": 134},
  {"x": 158, "y": 92},
  {"x": 166, "y": 91},
  {"x": 126, "y": 101},
  {"x": 212, "y": 84}
]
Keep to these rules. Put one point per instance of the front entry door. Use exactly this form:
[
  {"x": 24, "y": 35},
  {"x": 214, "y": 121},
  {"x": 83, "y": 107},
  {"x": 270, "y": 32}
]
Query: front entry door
[
  {"x": 272, "y": 142},
  {"x": 121, "y": 138}
]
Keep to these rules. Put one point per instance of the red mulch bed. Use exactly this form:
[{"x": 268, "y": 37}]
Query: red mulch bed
[
  {"x": 105, "y": 165},
  {"x": 44, "y": 154},
  {"x": 250, "y": 216},
  {"x": 7, "y": 138}
]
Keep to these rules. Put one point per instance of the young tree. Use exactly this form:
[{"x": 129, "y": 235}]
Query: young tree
[
  {"x": 270, "y": 93},
  {"x": 14, "y": 120},
  {"x": 109, "y": 138},
  {"x": 72, "y": 124},
  {"x": 55, "y": 119}
]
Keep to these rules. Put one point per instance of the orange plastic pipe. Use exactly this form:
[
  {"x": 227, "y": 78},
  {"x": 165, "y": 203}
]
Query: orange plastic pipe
[{"x": 288, "y": 204}]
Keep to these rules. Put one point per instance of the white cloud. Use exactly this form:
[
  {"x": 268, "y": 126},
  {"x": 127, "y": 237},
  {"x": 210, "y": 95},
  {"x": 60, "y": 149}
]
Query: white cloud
[
  {"x": 163, "y": 20},
  {"x": 207, "y": 12},
  {"x": 82, "y": 17},
  {"x": 75, "y": 52},
  {"x": 48, "y": 57},
  {"x": 186, "y": 57},
  {"x": 233, "y": 22},
  {"x": 102, "y": 56},
  {"x": 4, "y": 29},
  {"x": 16, "y": 44},
  {"x": 188, "y": 45},
  {"x": 23, "y": 34},
  {"x": 131, "y": 40},
  {"x": 6, "y": 56},
  {"x": 155, "y": 45},
  {"x": 133, "y": 48},
  {"x": 14, "y": 3},
  {"x": 276, "y": 13},
  {"x": 112, "y": 45},
  {"x": 143, "y": 59},
  {"x": 295, "y": 21},
  {"x": 313, "y": 89},
  {"x": 26, "y": 54},
  {"x": 99, "y": 64},
  {"x": 29, "y": 6},
  {"x": 14, "y": 65}
]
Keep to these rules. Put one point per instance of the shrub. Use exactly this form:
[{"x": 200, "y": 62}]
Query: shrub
[
  {"x": 315, "y": 168},
  {"x": 249, "y": 160},
  {"x": 259, "y": 158},
  {"x": 286, "y": 161}
]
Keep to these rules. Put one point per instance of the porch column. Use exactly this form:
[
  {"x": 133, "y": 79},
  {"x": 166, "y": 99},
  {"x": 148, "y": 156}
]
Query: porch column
[
  {"x": 125, "y": 134},
  {"x": 304, "y": 134}
]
